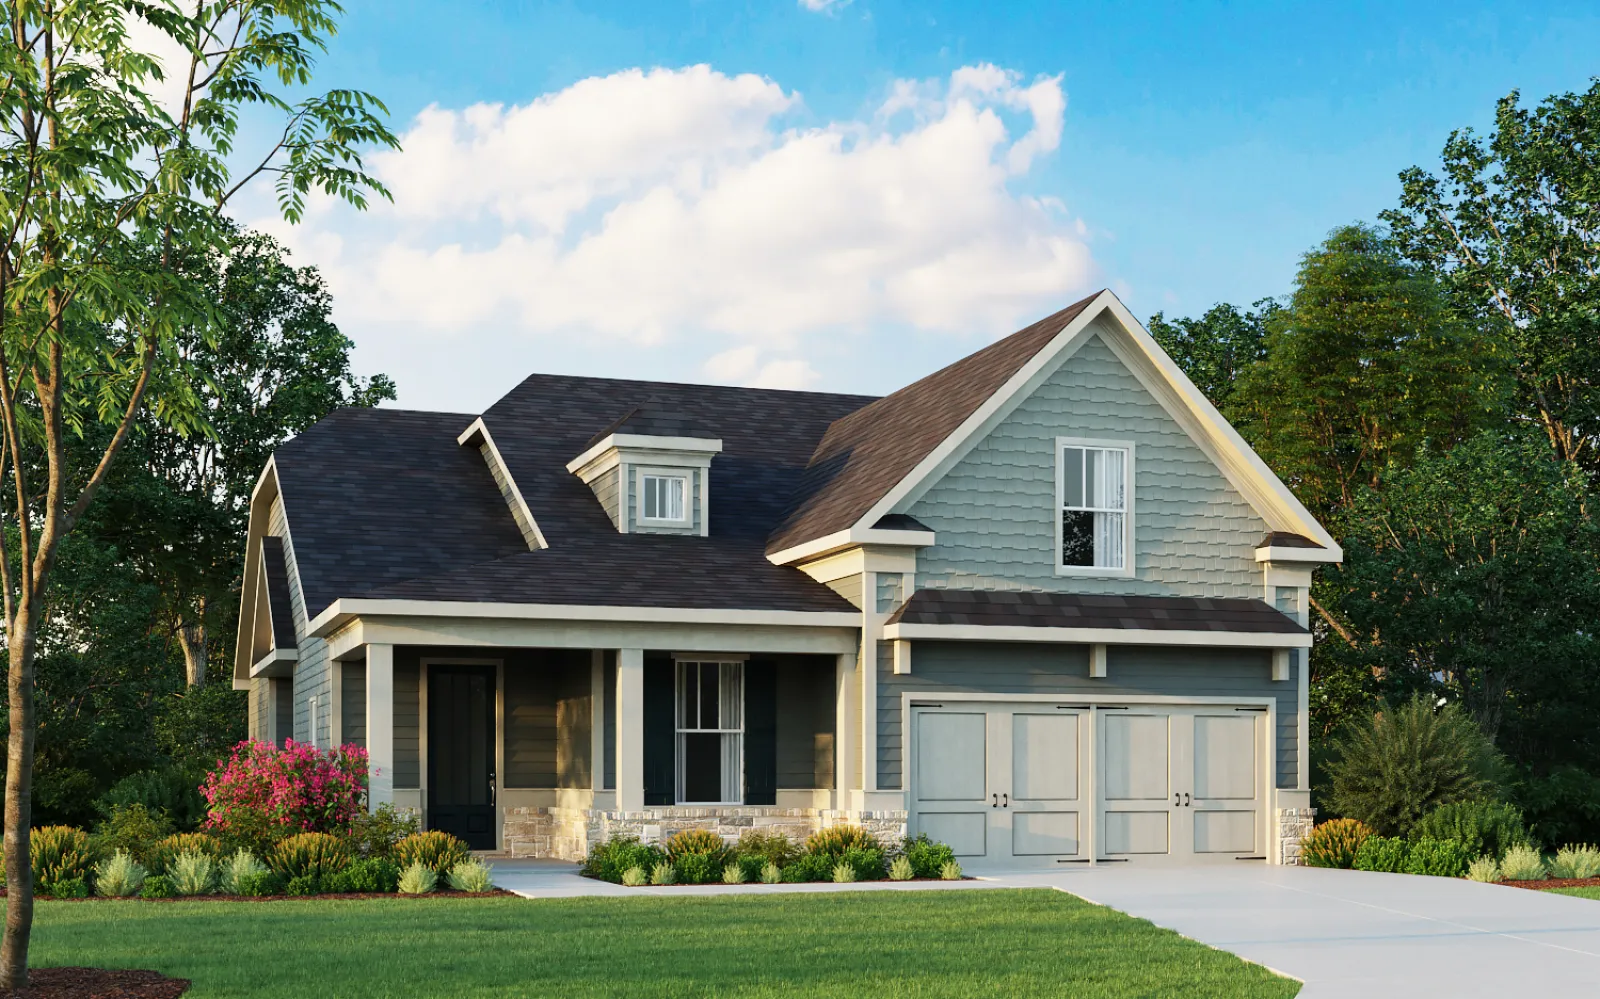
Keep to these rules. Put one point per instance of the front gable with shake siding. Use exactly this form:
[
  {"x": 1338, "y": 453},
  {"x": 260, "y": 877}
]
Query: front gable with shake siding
[{"x": 1043, "y": 605}]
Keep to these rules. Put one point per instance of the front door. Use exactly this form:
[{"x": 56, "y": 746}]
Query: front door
[{"x": 461, "y": 753}]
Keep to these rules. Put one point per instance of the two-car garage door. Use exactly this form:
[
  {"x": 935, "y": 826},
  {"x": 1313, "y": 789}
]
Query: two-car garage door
[{"x": 1037, "y": 783}]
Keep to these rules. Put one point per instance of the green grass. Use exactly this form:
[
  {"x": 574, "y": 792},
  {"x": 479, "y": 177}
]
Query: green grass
[
  {"x": 1591, "y": 892},
  {"x": 924, "y": 944}
]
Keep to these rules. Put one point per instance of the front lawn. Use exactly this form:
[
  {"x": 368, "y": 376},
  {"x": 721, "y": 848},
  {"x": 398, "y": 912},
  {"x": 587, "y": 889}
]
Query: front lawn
[
  {"x": 1591, "y": 892},
  {"x": 846, "y": 945}
]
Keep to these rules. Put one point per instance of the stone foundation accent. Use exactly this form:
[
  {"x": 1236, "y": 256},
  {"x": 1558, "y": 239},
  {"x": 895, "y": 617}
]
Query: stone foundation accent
[
  {"x": 568, "y": 833},
  {"x": 1294, "y": 825}
]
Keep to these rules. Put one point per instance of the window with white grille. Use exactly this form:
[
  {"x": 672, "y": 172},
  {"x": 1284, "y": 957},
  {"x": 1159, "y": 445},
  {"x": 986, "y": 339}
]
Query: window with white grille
[
  {"x": 1095, "y": 486},
  {"x": 710, "y": 732}
]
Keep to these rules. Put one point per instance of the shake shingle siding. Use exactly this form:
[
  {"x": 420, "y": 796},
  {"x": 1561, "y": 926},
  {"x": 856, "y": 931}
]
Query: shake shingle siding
[
  {"x": 312, "y": 677},
  {"x": 995, "y": 512}
]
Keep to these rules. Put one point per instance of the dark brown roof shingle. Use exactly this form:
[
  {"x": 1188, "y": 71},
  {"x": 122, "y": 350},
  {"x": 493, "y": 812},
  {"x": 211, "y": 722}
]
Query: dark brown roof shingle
[{"x": 1029, "y": 609}]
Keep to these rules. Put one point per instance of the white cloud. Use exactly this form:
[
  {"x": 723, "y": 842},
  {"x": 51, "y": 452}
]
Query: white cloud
[
  {"x": 824, "y": 6},
  {"x": 688, "y": 207}
]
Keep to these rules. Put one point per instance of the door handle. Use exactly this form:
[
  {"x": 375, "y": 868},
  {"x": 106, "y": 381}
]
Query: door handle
[
  {"x": 996, "y": 803},
  {"x": 1186, "y": 802},
  {"x": 492, "y": 783},
  {"x": 1006, "y": 795},
  {"x": 1177, "y": 799}
]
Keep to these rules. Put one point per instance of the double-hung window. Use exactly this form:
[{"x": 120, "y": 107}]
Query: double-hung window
[
  {"x": 710, "y": 732},
  {"x": 1095, "y": 484},
  {"x": 664, "y": 499}
]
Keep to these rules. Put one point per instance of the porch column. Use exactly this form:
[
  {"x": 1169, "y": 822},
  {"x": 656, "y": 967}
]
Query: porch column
[
  {"x": 846, "y": 731},
  {"x": 597, "y": 722},
  {"x": 380, "y": 725},
  {"x": 630, "y": 730}
]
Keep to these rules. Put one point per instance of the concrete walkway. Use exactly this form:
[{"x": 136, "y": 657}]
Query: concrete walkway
[{"x": 1344, "y": 933}]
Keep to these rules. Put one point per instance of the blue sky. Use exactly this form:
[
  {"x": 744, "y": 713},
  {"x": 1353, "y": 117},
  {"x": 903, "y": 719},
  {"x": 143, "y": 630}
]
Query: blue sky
[{"x": 718, "y": 236}]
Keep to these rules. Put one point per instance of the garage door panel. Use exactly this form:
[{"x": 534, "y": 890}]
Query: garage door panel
[
  {"x": 1044, "y": 755},
  {"x": 952, "y": 756},
  {"x": 1136, "y": 757},
  {"x": 1232, "y": 831},
  {"x": 1039, "y": 834},
  {"x": 1136, "y": 832},
  {"x": 964, "y": 832},
  {"x": 1225, "y": 764}
]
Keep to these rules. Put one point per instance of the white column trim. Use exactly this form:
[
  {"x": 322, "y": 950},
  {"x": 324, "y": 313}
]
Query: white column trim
[
  {"x": 845, "y": 732},
  {"x": 597, "y": 720},
  {"x": 380, "y": 724},
  {"x": 630, "y": 730}
]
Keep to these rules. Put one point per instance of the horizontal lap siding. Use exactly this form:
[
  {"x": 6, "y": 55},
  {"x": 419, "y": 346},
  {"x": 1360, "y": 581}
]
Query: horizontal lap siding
[
  {"x": 1016, "y": 668},
  {"x": 805, "y": 721},
  {"x": 548, "y": 719},
  {"x": 848, "y": 587},
  {"x": 407, "y": 714},
  {"x": 353, "y": 703},
  {"x": 260, "y": 709}
]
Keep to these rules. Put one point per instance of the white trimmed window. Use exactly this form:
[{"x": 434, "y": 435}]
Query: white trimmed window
[
  {"x": 710, "y": 732},
  {"x": 664, "y": 499},
  {"x": 1094, "y": 484}
]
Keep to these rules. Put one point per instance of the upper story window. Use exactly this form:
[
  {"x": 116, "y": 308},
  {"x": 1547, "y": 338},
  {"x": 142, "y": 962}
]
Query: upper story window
[
  {"x": 1094, "y": 484},
  {"x": 664, "y": 499}
]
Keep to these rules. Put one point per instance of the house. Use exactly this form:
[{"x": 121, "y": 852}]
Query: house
[{"x": 1044, "y": 605}]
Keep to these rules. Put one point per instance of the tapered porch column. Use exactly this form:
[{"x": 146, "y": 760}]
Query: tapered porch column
[
  {"x": 847, "y": 731},
  {"x": 380, "y": 725},
  {"x": 630, "y": 730}
]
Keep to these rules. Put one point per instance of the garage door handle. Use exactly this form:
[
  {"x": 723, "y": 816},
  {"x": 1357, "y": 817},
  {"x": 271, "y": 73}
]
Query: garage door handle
[
  {"x": 1187, "y": 803},
  {"x": 996, "y": 802},
  {"x": 1006, "y": 796}
]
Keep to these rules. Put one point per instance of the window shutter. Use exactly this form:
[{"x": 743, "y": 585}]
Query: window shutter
[
  {"x": 659, "y": 753},
  {"x": 760, "y": 733}
]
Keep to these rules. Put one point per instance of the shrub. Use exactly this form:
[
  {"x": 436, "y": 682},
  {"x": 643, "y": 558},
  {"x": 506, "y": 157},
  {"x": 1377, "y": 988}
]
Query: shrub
[
  {"x": 1334, "y": 843},
  {"x": 698, "y": 868},
  {"x": 1391, "y": 768},
  {"x": 1576, "y": 862},
  {"x": 417, "y": 879},
  {"x": 1563, "y": 805},
  {"x": 232, "y": 872},
  {"x": 1490, "y": 827},
  {"x": 1485, "y": 868},
  {"x": 60, "y": 853},
  {"x": 370, "y": 875},
  {"x": 836, "y": 840},
  {"x": 192, "y": 873},
  {"x": 901, "y": 870},
  {"x": 1522, "y": 863},
  {"x": 770, "y": 874},
  {"x": 927, "y": 856},
  {"x": 734, "y": 874},
  {"x": 844, "y": 872},
  {"x": 156, "y": 886},
  {"x": 772, "y": 846},
  {"x": 663, "y": 874},
  {"x": 951, "y": 871},
  {"x": 608, "y": 861},
  {"x": 164, "y": 852},
  {"x": 65, "y": 888},
  {"x": 172, "y": 792},
  {"x": 437, "y": 851},
  {"x": 809, "y": 867},
  {"x": 262, "y": 793},
  {"x": 305, "y": 884},
  {"x": 376, "y": 833},
  {"x": 472, "y": 876},
  {"x": 751, "y": 867},
  {"x": 132, "y": 829},
  {"x": 1389, "y": 854},
  {"x": 1440, "y": 858},
  {"x": 867, "y": 863},
  {"x": 119, "y": 877},
  {"x": 258, "y": 884},
  {"x": 634, "y": 877},
  {"x": 696, "y": 842},
  {"x": 309, "y": 855}
]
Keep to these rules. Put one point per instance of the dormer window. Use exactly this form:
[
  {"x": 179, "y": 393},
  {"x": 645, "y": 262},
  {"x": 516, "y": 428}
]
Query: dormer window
[
  {"x": 664, "y": 499},
  {"x": 1094, "y": 489}
]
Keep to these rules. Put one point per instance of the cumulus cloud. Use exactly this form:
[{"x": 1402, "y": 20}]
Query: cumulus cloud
[
  {"x": 667, "y": 206},
  {"x": 824, "y": 6}
]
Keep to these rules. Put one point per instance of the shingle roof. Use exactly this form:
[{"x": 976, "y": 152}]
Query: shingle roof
[
  {"x": 1082, "y": 610},
  {"x": 1284, "y": 539},
  {"x": 867, "y": 453},
  {"x": 276, "y": 570}
]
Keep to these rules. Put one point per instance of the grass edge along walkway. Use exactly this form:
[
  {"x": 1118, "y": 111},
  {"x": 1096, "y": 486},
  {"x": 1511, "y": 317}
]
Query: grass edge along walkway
[
  {"x": 1013, "y": 942},
  {"x": 1593, "y": 891}
]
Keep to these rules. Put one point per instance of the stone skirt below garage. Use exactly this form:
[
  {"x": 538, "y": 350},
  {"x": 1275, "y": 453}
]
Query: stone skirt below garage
[{"x": 569, "y": 833}]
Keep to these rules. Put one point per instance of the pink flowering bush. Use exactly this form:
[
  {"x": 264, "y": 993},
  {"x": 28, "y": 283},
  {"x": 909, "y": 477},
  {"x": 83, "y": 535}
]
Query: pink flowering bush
[{"x": 262, "y": 794}]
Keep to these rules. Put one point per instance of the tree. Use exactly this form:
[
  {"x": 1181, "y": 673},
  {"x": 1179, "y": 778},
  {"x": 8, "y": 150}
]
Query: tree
[
  {"x": 1513, "y": 229},
  {"x": 1365, "y": 363},
  {"x": 102, "y": 191},
  {"x": 1216, "y": 348}
]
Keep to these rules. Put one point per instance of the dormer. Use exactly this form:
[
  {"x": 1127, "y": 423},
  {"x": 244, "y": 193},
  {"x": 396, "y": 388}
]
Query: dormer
[{"x": 651, "y": 472}]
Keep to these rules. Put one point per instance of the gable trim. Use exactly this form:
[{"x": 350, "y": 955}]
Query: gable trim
[{"x": 477, "y": 435}]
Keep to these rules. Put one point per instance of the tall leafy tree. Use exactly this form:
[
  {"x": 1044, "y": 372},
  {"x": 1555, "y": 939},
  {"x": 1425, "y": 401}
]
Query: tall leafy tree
[
  {"x": 1512, "y": 226},
  {"x": 102, "y": 190},
  {"x": 1216, "y": 348}
]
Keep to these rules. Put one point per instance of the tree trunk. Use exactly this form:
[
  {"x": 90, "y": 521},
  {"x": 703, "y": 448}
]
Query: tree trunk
[
  {"x": 192, "y": 637},
  {"x": 19, "y": 799}
]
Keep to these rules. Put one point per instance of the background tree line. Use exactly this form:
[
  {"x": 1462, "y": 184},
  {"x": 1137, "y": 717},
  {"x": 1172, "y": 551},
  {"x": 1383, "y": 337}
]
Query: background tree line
[{"x": 1430, "y": 389}]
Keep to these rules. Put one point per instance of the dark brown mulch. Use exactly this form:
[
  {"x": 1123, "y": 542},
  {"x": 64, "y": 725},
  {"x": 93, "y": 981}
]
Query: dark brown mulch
[
  {"x": 441, "y": 893},
  {"x": 1555, "y": 883},
  {"x": 97, "y": 983}
]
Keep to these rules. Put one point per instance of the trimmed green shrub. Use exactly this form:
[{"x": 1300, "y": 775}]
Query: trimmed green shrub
[
  {"x": 378, "y": 832},
  {"x": 835, "y": 841},
  {"x": 1389, "y": 854},
  {"x": 901, "y": 870},
  {"x": 1334, "y": 843},
  {"x": 156, "y": 886},
  {"x": 698, "y": 842},
  {"x": 635, "y": 877},
  {"x": 1522, "y": 863},
  {"x": 1577, "y": 861},
  {"x": 233, "y": 870},
  {"x": 1490, "y": 827},
  {"x": 305, "y": 884},
  {"x": 1391, "y": 768},
  {"x": 809, "y": 867},
  {"x": 867, "y": 863},
  {"x": 750, "y": 867},
  {"x": 435, "y": 850},
  {"x": 770, "y": 873},
  {"x": 733, "y": 874},
  {"x": 192, "y": 873},
  {"x": 608, "y": 861},
  {"x": 844, "y": 872},
  {"x": 311, "y": 855},
  {"x": 951, "y": 871},
  {"x": 165, "y": 851},
  {"x": 417, "y": 879},
  {"x": 133, "y": 829},
  {"x": 258, "y": 884},
  {"x": 927, "y": 857},
  {"x": 471, "y": 876},
  {"x": 773, "y": 846},
  {"x": 370, "y": 875},
  {"x": 1440, "y": 858},
  {"x": 1485, "y": 868},
  {"x": 698, "y": 868},
  {"x": 60, "y": 853},
  {"x": 120, "y": 877},
  {"x": 663, "y": 874},
  {"x": 65, "y": 888}
]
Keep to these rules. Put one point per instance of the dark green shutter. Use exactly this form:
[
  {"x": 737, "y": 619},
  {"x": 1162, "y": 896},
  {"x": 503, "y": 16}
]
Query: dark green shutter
[
  {"x": 660, "y": 723},
  {"x": 760, "y": 733}
]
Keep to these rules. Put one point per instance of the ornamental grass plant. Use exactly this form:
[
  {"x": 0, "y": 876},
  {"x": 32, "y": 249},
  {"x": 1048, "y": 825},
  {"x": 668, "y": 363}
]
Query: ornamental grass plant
[
  {"x": 120, "y": 877},
  {"x": 164, "y": 852},
  {"x": 59, "y": 854},
  {"x": 1576, "y": 861},
  {"x": 438, "y": 851},
  {"x": 1485, "y": 868},
  {"x": 311, "y": 855},
  {"x": 1334, "y": 843},
  {"x": 471, "y": 876},
  {"x": 835, "y": 841},
  {"x": 417, "y": 879},
  {"x": 235, "y": 872},
  {"x": 1522, "y": 863}
]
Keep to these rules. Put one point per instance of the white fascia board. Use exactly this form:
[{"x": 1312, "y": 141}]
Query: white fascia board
[
  {"x": 261, "y": 497},
  {"x": 702, "y": 446},
  {"x": 275, "y": 658},
  {"x": 1283, "y": 553},
  {"x": 478, "y": 434},
  {"x": 341, "y": 611},
  {"x": 855, "y": 536},
  {"x": 1095, "y": 636}
]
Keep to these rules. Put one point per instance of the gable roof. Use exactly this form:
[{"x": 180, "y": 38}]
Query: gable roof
[{"x": 865, "y": 454}]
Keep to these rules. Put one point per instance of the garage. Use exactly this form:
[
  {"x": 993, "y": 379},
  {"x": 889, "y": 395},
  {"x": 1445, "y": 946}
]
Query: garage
[{"x": 1020, "y": 782}]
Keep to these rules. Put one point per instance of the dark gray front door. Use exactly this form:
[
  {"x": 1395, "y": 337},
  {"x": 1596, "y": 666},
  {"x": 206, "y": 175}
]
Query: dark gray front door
[{"x": 461, "y": 753}]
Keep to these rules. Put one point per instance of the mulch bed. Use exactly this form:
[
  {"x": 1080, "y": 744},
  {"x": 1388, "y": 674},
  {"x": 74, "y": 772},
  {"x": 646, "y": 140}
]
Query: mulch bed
[
  {"x": 1555, "y": 883},
  {"x": 97, "y": 983},
  {"x": 442, "y": 893}
]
